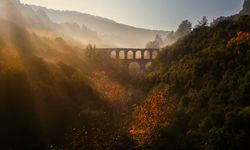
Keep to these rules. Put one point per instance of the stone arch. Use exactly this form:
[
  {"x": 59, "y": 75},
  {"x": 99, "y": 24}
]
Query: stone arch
[
  {"x": 113, "y": 54},
  {"x": 130, "y": 55},
  {"x": 121, "y": 55},
  {"x": 138, "y": 54},
  {"x": 134, "y": 68},
  {"x": 154, "y": 54},
  {"x": 147, "y": 54}
]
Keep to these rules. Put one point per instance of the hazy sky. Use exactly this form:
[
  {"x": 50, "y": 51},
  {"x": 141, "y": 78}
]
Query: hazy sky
[{"x": 152, "y": 14}]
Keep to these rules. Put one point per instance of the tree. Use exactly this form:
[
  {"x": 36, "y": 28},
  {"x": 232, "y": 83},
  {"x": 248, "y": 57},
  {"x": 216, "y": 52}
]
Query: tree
[
  {"x": 157, "y": 43},
  {"x": 158, "y": 39},
  {"x": 150, "y": 116},
  {"x": 203, "y": 22},
  {"x": 184, "y": 28},
  {"x": 240, "y": 43},
  {"x": 91, "y": 52},
  {"x": 170, "y": 38}
]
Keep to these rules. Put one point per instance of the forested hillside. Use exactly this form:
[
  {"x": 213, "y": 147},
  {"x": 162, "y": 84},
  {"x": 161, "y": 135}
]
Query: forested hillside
[
  {"x": 205, "y": 76},
  {"x": 57, "y": 95},
  {"x": 52, "y": 93}
]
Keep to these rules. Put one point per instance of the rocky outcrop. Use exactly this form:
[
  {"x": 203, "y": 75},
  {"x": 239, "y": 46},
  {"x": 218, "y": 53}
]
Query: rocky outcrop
[{"x": 246, "y": 8}]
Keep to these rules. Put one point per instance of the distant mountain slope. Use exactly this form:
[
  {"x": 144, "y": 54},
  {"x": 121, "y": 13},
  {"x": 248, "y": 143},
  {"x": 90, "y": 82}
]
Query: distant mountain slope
[
  {"x": 112, "y": 32},
  {"x": 40, "y": 23}
]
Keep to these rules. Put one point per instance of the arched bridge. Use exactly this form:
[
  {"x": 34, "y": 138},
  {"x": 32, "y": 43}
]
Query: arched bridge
[{"x": 132, "y": 55}]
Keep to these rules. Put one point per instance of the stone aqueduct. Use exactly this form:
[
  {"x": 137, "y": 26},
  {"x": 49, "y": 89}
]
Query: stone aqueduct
[{"x": 132, "y": 55}]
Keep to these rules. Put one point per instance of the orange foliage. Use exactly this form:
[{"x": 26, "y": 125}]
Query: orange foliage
[
  {"x": 133, "y": 131},
  {"x": 239, "y": 39},
  {"x": 110, "y": 90},
  {"x": 153, "y": 114}
]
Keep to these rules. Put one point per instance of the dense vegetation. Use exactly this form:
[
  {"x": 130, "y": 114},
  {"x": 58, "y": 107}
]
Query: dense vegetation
[
  {"x": 207, "y": 76},
  {"x": 53, "y": 94},
  {"x": 58, "y": 96}
]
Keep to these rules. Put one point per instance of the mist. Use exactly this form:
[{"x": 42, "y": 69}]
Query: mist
[{"x": 60, "y": 88}]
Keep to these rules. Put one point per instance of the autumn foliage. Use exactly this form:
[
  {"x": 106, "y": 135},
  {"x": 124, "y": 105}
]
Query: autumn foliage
[
  {"x": 239, "y": 42},
  {"x": 154, "y": 113},
  {"x": 110, "y": 90}
]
